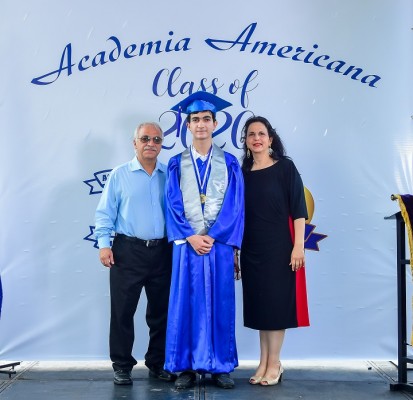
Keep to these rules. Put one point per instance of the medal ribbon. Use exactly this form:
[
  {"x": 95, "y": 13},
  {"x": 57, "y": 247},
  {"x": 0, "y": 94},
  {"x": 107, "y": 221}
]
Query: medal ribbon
[{"x": 202, "y": 173}]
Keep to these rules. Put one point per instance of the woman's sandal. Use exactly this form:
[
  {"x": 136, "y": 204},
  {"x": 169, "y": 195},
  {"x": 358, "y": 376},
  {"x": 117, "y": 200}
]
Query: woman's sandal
[
  {"x": 271, "y": 382},
  {"x": 255, "y": 380}
]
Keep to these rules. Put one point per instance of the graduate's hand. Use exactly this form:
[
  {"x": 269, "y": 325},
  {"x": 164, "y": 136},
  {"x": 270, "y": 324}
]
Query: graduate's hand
[
  {"x": 106, "y": 257},
  {"x": 297, "y": 258},
  {"x": 209, "y": 239},
  {"x": 201, "y": 244}
]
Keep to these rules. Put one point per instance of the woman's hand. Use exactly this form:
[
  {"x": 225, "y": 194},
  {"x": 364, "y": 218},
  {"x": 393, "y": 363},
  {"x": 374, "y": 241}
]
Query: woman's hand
[{"x": 297, "y": 258}]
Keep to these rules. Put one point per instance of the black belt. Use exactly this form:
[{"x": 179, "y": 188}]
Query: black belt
[{"x": 146, "y": 243}]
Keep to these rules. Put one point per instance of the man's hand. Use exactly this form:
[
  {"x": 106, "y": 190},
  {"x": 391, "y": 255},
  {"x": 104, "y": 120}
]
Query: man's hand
[
  {"x": 106, "y": 257},
  {"x": 201, "y": 244}
]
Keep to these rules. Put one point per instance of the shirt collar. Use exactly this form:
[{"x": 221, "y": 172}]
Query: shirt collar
[
  {"x": 196, "y": 155},
  {"x": 135, "y": 165}
]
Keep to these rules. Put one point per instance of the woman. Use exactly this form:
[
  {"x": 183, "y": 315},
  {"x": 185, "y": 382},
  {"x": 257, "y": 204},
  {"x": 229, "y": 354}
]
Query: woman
[{"x": 272, "y": 252}]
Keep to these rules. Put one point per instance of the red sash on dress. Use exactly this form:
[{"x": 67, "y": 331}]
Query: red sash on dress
[{"x": 300, "y": 289}]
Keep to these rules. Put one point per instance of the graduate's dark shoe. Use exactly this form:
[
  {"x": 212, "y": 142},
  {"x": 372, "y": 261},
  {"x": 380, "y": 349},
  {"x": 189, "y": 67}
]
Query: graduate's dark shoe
[
  {"x": 223, "y": 381},
  {"x": 185, "y": 380},
  {"x": 122, "y": 377},
  {"x": 160, "y": 373}
]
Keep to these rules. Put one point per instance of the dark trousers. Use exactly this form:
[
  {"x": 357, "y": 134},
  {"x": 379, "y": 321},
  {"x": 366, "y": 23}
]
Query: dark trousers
[{"x": 137, "y": 266}]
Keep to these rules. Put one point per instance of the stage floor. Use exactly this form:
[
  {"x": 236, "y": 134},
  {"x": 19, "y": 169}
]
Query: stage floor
[{"x": 318, "y": 380}]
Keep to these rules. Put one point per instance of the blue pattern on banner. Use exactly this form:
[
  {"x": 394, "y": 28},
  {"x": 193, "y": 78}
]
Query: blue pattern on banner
[
  {"x": 312, "y": 238},
  {"x": 91, "y": 237},
  {"x": 98, "y": 183}
]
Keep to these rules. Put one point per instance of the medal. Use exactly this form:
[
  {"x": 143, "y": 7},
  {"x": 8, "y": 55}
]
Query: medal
[{"x": 203, "y": 198}]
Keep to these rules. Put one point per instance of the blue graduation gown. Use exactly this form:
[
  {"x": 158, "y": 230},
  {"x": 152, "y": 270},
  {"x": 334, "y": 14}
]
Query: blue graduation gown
[{"x": 201, "y": 318}]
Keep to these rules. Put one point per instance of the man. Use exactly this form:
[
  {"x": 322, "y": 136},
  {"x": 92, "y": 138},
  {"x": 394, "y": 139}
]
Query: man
[
  {"x": 132, "y": 205},
  {"x": 205, "y": 219}
]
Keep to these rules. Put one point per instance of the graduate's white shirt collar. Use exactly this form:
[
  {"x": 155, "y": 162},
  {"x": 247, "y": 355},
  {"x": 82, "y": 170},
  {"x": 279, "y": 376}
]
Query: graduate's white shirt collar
[{"x": 196, "y": 155}]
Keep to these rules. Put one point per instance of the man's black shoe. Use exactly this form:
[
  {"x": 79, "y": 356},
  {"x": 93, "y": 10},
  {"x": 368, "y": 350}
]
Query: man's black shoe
[
  {"x": 223, "y": 381},
  {"x": 160, "y": 373},
  {"x": 185, "y": 380},
  {"x": 122, "y": 377}
]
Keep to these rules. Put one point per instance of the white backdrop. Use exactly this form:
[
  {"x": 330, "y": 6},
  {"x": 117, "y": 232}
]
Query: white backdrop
[{"x": 73, "y": 87}]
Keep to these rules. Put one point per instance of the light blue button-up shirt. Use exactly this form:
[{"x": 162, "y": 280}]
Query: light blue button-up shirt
[{"x": 132, "y": 203}]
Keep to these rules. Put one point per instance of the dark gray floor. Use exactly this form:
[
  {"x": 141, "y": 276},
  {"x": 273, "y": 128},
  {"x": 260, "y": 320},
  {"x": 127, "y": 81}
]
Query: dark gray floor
[{"x": 364, "y": 380}]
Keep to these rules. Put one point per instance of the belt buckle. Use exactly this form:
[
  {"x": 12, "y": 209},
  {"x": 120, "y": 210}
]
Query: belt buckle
[{"x": 149, "y": 243}]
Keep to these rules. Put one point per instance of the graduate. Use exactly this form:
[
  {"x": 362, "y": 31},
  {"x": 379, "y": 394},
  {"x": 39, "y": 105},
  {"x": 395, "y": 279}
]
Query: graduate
[{"x": 205, "y": 220}]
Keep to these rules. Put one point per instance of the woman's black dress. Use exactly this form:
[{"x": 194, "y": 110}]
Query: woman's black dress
[{"x": 272, "y": 196}]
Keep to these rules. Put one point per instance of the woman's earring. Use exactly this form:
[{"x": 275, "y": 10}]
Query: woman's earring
[
  {"x": 248, "y": 153},
  {"x": 270, "y": 151}
]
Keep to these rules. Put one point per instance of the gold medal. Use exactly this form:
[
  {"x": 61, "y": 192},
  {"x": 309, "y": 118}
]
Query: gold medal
[{"x": 203, "y": 198}]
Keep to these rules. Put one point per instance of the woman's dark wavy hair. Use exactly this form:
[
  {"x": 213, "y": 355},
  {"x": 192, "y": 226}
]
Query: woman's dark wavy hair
[{"x": 276, "y": 145}]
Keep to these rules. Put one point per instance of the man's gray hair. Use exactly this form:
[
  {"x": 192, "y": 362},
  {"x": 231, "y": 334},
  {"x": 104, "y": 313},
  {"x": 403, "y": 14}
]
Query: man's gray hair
[{"x": 140, "y": 126}]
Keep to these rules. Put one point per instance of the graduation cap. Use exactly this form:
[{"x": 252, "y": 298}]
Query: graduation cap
[{"x": 198, "y": 102}]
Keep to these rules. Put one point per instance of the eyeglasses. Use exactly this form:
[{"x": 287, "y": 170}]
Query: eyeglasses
[{"x": 147, "y": 139}]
